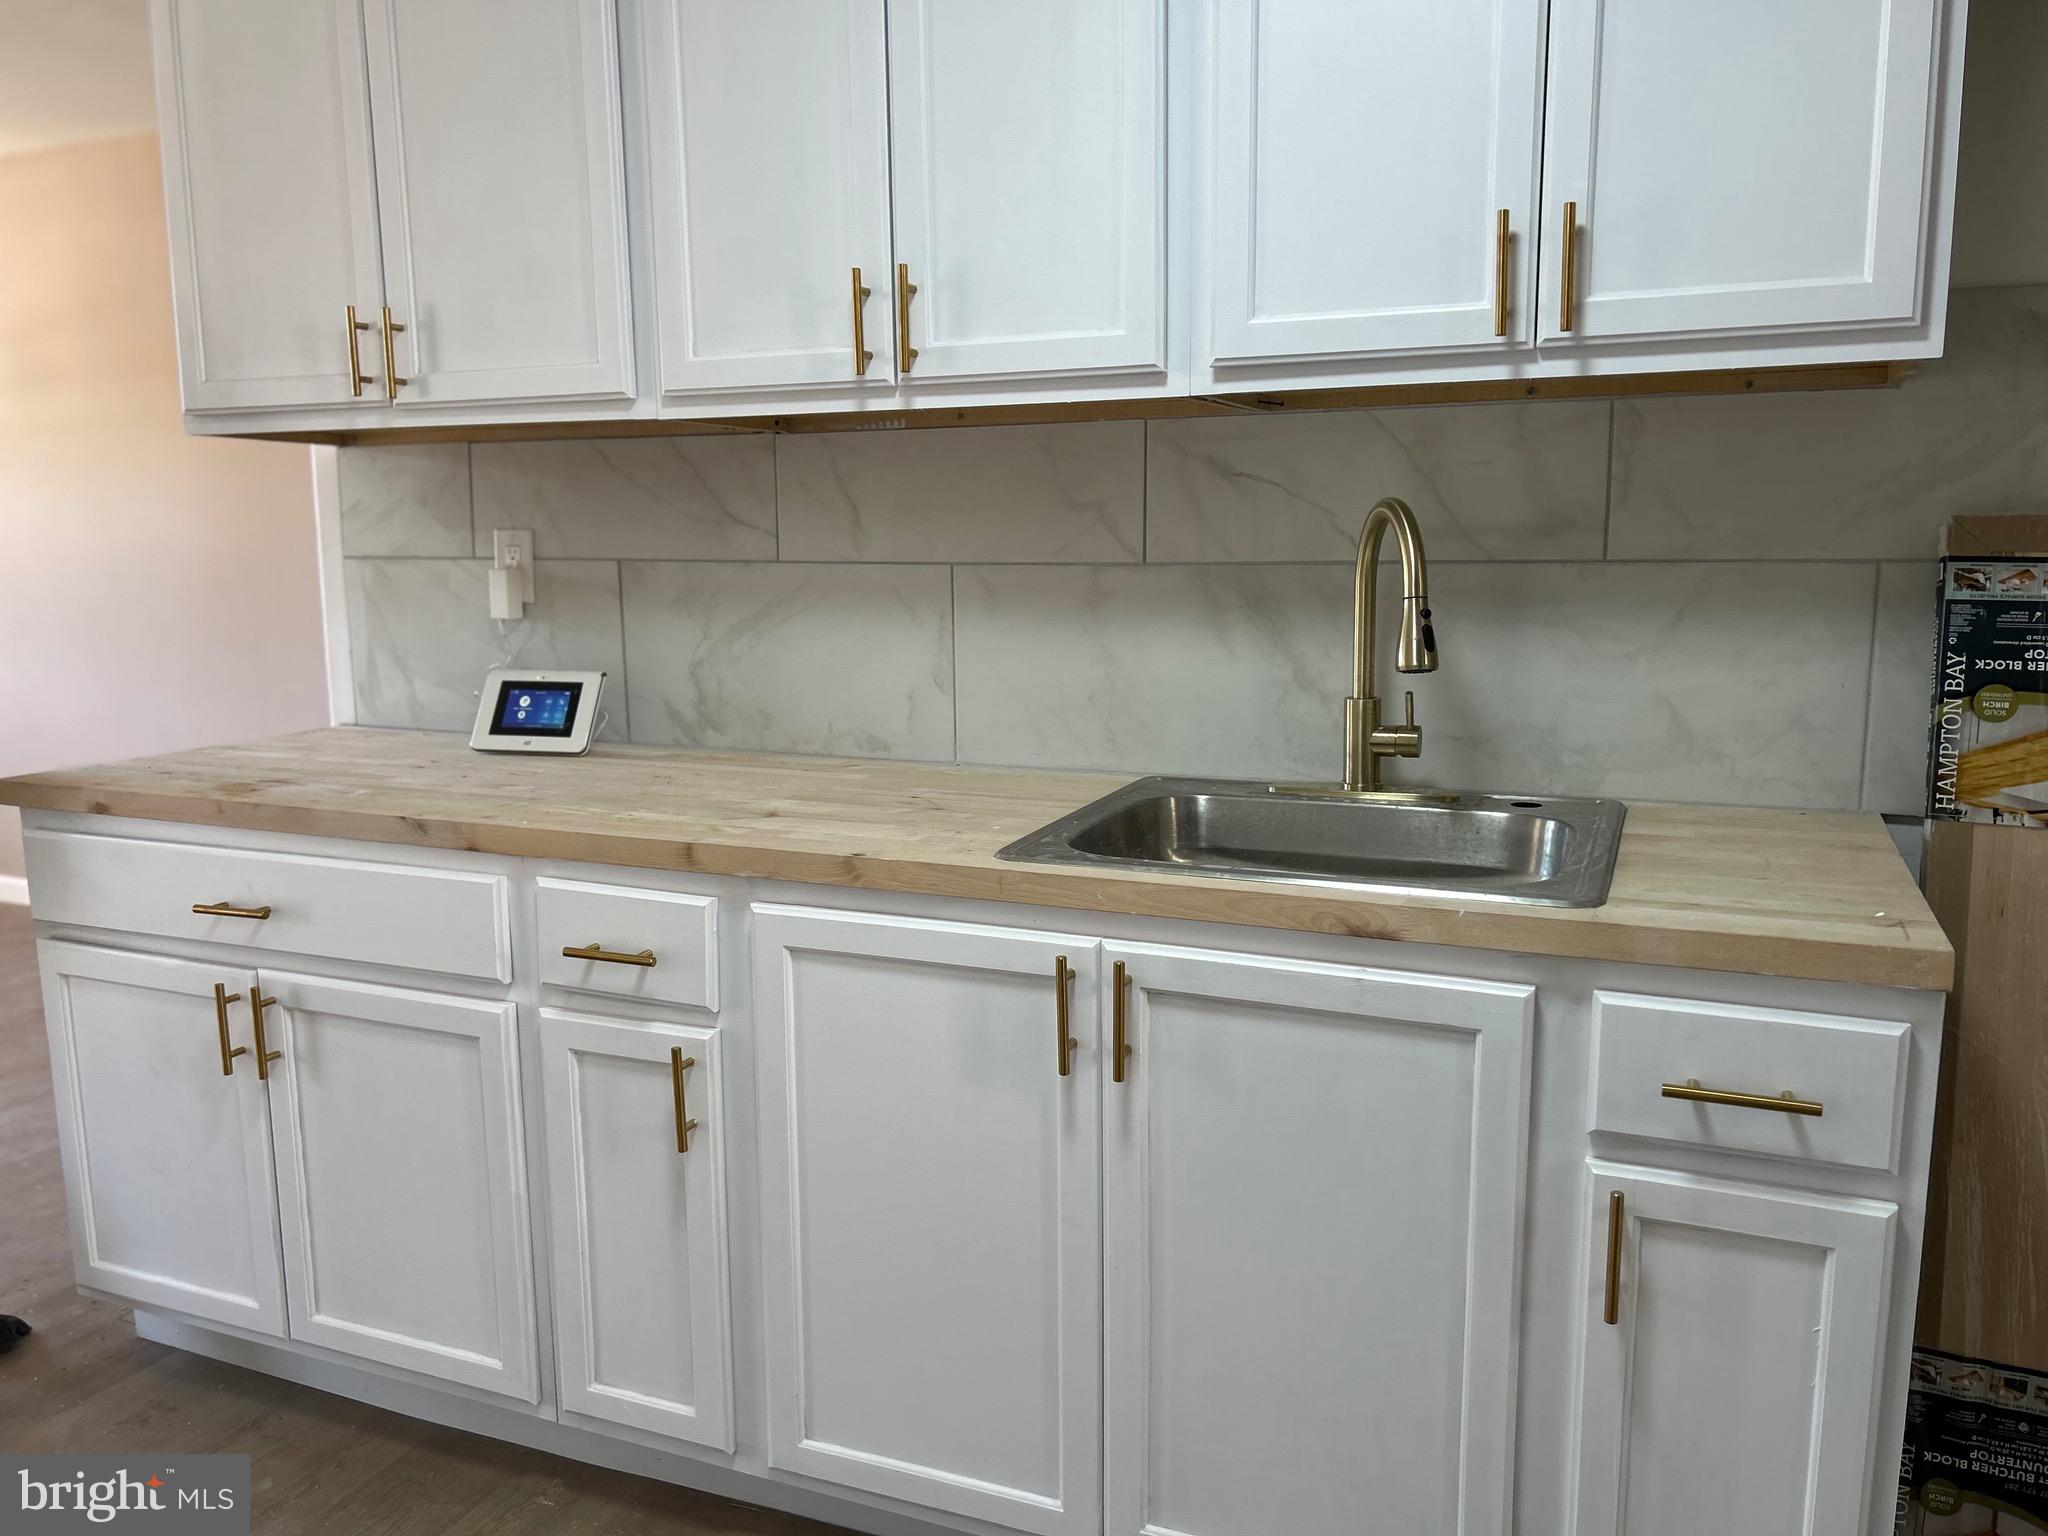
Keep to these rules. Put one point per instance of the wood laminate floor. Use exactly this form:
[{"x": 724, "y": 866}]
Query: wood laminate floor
[{"x": 84, "y": 1382}]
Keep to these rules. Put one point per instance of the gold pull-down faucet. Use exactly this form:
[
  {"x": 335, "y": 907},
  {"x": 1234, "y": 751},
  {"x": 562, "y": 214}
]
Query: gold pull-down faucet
[{"x": 1366, "y": 741}]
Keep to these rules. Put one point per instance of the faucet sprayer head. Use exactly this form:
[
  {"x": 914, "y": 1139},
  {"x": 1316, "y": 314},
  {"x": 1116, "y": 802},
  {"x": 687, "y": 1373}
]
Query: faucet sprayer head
[{"x": 1416, "y": 651}]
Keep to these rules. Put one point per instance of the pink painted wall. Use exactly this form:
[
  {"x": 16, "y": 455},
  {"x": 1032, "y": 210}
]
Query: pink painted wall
[{"x": 156, "y": 591}]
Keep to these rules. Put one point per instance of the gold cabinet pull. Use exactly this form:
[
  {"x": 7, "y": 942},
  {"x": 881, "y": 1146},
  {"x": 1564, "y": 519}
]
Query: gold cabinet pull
[
  {"x": 1569, "y": 278},
  {"x": 356, "y": 377},
  {"x": 906, "y": 354},
  {"x": 1500, "y": 273},
  {"x": 1120, "y": 1045},
  {"x": 221, "y": 998},
  {"x": 264, "y": 1054},
  {"x": 861, "y": 355},
  {"x": 678, "y": 1064},
  {"x": 1062, "y": 976},
  {"x": 1786, "y": 1103},
  {"x": 609, "y": 956},
  {"x": 229, "y": 909},
  {"x": 1611, "y": 1314},
  {"x": 391, "y": 378}
]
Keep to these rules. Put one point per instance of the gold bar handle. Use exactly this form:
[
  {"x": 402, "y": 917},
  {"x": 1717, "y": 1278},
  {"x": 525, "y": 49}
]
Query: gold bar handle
[
  {"x": 229, "y": 909},
  {"x": 1500, "y": 273},
  {"x": 221, "y": 998},
  {"x": 1611, "y": 1313},
  {"x": 1120, "y": 1045},
  {"x": 906, "y": 354},
  {"x": 391, "y": 378},
  {"x": 1062, "y": 976},
  {"x": 609, "y": 956},
  {"x": 678, "y": 1064},
  {"x": 264, "y": 1054},
  {"x": 1786, "y": 1103},
  {"x": 356, "y": 377},
  {"x": 861, "y": 355},
  {"x": 1569, "y": 279}
]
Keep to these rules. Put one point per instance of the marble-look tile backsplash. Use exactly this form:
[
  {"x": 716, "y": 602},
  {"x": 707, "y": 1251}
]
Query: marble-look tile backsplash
[{"x": 1722, "y": 599}]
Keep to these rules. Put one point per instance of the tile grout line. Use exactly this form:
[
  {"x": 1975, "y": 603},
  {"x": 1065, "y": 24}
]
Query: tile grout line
[
  {"x": 1607, "y": 484},
  {"x": 1145, "y": 493},
  {"x": 625, "y": 676},
  {"x": 1870, "y": 686},
  {"x": 953, "y": 634}
]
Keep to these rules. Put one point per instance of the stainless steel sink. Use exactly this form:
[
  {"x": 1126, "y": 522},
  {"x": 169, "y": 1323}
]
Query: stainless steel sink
[{"x": 1522, "y": 848}]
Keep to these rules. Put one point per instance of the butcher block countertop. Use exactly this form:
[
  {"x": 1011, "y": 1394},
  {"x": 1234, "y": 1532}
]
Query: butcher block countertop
[{"x": 1813, "y": 894}]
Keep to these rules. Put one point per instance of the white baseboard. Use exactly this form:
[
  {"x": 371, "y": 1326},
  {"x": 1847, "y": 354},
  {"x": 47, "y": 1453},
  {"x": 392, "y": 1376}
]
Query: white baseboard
[{"x": 13, "y": 890}]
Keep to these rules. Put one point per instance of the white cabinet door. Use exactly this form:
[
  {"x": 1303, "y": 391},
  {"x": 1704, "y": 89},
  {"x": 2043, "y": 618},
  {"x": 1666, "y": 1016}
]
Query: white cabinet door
[
  {"x": 643, "y": 1323},
  {"x": 1364, "y": 152},
  {"x": 1748, "y": 166},
  {"x": 501, "y": 183},
  {"x": 1312, "y": 1218},
  {"x": 1736, "y": 1386},
  {"x": 768, "y": 135},
  {"x": 165, "y": 1133},
  {"x": 400, "y": 1179},
  {"x": 1028, "y": 140},
  {"x": 273, "y": 216},
  {"x": 930, "y": 1211}
]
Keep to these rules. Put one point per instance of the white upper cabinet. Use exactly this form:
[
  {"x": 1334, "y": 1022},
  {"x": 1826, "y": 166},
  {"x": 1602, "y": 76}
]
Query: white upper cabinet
[
  {"x": 271, "y": 202},
  {"x": 501, "y": 186},
  {"x": 1734, "y": 1340},
  {"x": 1375, "y": 177},
  {"x": 1028, "y": 143},
  {"x": 1312, "y": 1184},
  {"x": 1743, "y": 167},
  {"x": 768, "y": 158}
]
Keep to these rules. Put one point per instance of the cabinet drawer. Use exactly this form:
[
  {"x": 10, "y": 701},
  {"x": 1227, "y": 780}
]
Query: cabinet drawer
[
  {"x": 1853, "y": 1069},
  {"x": 346, "y": 909},
  {"x": 663, "y": 947}
]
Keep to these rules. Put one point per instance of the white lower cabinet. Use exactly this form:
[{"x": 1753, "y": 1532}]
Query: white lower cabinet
[
  {"x": 1059, "y": 1233},
  {"x": 1735, "y": 1352},
  {"x": 401, "y": 1178},
  {"x": 930, "y": 1210},
  {"x": 165, "y": 1135},
  {"x": 1312, "y": 1234},
  {"x": 636, "y": 1199}
]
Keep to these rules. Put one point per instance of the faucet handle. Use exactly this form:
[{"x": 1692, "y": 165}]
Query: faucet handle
[{"x": 1408, "y": 709}]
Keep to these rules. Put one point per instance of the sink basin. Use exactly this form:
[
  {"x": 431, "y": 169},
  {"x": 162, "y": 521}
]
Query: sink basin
[{"x": 1538, "y": 849}]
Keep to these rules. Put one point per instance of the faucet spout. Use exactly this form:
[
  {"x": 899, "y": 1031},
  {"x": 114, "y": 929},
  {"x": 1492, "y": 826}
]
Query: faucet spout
[{"x": 1366, "y": 741}]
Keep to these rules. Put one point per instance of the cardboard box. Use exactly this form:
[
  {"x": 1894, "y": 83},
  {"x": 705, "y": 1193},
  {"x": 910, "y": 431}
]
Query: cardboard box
[
  {"x": 1988, "y": 756},
  {"x": 1976, "y": 1453}
]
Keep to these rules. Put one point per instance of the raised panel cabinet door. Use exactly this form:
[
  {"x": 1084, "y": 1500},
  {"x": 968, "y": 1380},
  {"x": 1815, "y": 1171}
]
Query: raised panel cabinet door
[
  {"x": 931, "y": 1212},
  {"x": 1746, "y": 167},
  {"x": 501, "y": 183},
  {"x": 1734, "y": 1360},
  {"x": 165, "y": 1134},
  {"x": 1364, "y": 156},
  {"x": 263, "y": 114},
  {"x": 636, "y": 1205},
  {"x": 400, "y": 1171},
  {"x": 1312, "y": 1215},
  {"x": 1028, "y": 145},
  {"x": 768, "y": 134}
]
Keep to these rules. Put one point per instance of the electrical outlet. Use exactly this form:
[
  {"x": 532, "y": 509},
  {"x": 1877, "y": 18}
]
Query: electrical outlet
[{"x": 514, "y": 547}]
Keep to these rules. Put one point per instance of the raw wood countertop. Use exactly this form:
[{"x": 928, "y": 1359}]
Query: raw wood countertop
[{"x": 1814, "y": 894}]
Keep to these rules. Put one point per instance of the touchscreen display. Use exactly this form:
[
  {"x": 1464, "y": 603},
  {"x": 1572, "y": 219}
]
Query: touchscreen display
[{"x": 535, "y": 709}]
